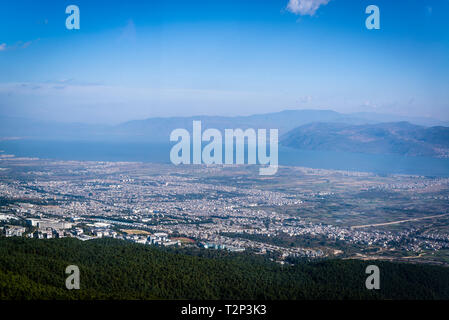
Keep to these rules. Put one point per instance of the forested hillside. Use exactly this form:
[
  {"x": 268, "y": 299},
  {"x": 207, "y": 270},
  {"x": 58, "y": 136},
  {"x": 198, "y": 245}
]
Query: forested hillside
[{"x": 113, "y": 269}]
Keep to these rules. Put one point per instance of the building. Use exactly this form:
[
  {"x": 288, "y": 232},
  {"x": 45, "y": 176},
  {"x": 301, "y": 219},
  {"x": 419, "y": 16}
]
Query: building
[{"x": 14, "y": 231}]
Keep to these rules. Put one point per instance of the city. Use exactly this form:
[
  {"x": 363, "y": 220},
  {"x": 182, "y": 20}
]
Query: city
[{"x": 317, "y": 214}]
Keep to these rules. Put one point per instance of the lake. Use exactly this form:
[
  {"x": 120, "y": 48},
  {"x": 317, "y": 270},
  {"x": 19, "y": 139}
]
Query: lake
[{"x": 160, "y": 153}]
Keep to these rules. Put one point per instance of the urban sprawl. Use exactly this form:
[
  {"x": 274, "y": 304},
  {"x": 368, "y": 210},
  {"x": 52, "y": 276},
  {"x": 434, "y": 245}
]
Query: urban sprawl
[{"x": 227, "y": 207}]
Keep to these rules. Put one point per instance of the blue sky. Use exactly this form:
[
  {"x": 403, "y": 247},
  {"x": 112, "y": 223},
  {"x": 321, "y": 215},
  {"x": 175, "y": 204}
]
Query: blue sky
[{"x": 133, "y": 60}]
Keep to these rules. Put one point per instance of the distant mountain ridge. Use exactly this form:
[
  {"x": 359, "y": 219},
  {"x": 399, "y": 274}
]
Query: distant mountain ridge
[
  {"x": 159, "y": 129},
  {"x": 384, "y": 138}
]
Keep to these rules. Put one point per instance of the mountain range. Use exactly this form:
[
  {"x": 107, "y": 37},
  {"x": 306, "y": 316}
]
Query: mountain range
[
  {"x": 300, "y": 129},
  {"x": 384, "y": 138}
]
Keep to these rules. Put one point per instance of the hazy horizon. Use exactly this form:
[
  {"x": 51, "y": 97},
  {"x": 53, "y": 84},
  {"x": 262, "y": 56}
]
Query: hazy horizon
[{"x": 369, "y": 116}]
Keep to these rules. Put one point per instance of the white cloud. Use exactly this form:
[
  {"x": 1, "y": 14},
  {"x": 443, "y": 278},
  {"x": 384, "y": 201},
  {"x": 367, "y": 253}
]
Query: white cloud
[
  {"x": 305, "y": 7},
  {"x": 17, "y": 45}
]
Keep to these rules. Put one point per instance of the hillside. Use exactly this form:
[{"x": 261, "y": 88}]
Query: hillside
[
  {"x": 384, "y": 138},
  {"x": 113, "y": 269}
]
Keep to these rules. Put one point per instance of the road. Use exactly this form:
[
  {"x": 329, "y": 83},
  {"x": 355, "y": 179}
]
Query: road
[{"x": 399, "y": 221}]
